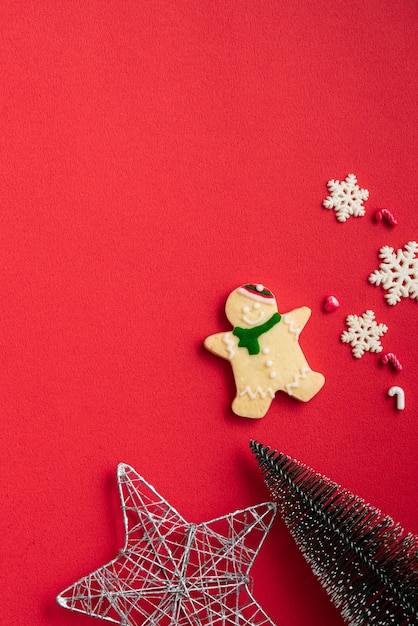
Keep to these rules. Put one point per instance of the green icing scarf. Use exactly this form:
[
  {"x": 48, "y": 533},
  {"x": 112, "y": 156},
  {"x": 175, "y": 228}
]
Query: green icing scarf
[{"x": 248, "y": 337}]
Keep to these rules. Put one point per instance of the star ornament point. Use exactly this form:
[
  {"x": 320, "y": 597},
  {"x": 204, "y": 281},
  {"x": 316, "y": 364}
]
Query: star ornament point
[{"x": 174, "y": 573}]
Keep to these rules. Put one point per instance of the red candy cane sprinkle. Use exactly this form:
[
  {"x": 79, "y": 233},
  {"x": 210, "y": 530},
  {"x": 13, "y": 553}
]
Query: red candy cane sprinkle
[
  {"x": 392, "y": 358},
  {"x": 388, "y": 215}
]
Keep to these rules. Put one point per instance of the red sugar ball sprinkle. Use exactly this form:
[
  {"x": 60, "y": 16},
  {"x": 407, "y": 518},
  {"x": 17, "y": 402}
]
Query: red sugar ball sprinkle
[{"x": 331, "y": 304}]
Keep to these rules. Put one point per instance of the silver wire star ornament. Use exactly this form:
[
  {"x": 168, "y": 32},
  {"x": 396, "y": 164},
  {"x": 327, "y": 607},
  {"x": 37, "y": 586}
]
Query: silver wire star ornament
[{"x": 174, "y": 573}]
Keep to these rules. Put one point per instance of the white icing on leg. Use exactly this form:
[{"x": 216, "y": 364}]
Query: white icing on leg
[
  {"x": 253, "y": 394},
  {"x": 296, "y": 379}
]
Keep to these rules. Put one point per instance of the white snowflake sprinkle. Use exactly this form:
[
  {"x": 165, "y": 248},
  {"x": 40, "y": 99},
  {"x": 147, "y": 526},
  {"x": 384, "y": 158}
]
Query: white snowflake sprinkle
[
  {"x": 346, "y": 198},
  {"x": 363, "y": 333},
  {"x": 398, "y": 274}
]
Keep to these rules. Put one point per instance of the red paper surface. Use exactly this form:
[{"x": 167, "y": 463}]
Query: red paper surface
[{"x": 155, "y": 155}]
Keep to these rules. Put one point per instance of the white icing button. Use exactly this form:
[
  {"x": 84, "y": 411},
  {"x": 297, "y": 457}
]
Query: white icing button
[
  {"x": 256, "y": 305},
  {"x": 245, "y": 309},
  {"x": 272, "y": 374},
  {"x": 259, "y": 287},
  {"x": 269, "y": 363},
  {"x": 266, "y": 350}
]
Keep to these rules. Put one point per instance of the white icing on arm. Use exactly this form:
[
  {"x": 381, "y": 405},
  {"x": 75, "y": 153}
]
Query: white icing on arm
[
  {"x": 229, "y": 345},
  {"x": 292, "y": 328}
]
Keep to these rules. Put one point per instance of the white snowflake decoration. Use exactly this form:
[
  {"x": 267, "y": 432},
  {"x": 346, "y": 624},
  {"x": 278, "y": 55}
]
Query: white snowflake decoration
[
  {"x": 363, "y": 333},
  {"x": 398, "y": 274},
  {"x": 346, "y": 198}
]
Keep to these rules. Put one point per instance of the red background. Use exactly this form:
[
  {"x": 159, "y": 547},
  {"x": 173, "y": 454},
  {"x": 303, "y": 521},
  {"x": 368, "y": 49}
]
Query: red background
[{"x": 155, "y": 155}]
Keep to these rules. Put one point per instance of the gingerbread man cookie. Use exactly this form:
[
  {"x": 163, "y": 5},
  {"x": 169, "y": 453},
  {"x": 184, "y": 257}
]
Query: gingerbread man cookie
[{"x": 264, "y": 352}]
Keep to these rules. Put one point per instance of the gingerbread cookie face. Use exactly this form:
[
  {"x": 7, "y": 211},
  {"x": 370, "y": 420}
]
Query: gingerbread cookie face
[{"x": 264, "y": 352}]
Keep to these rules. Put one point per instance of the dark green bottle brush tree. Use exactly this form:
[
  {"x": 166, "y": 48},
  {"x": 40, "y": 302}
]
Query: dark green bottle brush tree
[{"x": 365, "y": 561}]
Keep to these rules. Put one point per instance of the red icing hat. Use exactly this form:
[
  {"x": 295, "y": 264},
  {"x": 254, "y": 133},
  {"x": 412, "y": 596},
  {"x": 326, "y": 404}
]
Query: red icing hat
[{"x": 257, "y": 292}]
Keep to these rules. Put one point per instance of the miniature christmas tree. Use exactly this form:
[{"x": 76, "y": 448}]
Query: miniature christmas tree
[{"x": 364, "y": 560}]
